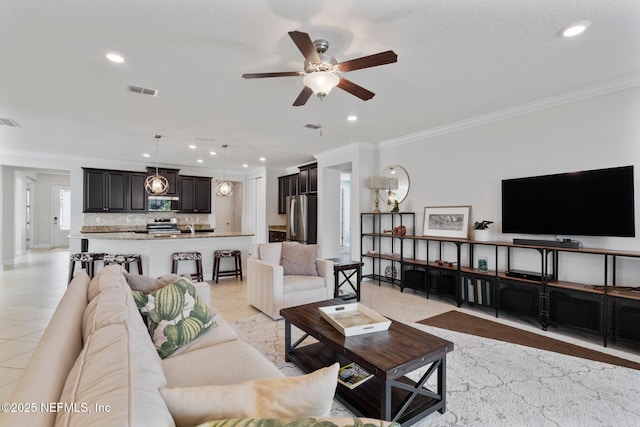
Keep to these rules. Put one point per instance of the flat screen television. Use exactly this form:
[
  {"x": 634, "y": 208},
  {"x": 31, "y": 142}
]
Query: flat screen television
[{"x": 588, "y": 203}]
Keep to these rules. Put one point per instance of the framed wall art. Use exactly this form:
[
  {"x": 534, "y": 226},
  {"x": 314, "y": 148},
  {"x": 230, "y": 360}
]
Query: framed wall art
[{"x": 446, "y": 221}]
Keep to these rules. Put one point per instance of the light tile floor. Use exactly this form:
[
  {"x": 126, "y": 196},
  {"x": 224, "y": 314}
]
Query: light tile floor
[{"x": 31, "y": 289}]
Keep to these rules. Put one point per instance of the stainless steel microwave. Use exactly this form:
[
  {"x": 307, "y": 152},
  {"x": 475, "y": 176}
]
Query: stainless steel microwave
[{"x": 162, "y": 203}]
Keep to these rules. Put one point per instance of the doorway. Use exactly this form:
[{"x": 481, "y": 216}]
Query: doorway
[
  {"x": 61, "y": 216},
  {"x": 345, "y": 213},
  {"x": 228, "y": 210}
]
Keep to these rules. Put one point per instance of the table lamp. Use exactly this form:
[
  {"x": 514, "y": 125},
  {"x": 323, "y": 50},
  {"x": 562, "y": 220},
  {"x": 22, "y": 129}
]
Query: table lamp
[{"x": 376, "y": 183}]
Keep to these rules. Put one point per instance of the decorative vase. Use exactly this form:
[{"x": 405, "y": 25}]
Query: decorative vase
[{"x": 481, "y": 235}]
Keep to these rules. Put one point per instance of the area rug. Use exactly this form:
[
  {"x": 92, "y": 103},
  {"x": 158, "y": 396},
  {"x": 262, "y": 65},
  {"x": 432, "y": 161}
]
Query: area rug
[
  {"x": 461, "y": 322},
  {"x": 497, "y": 383}
]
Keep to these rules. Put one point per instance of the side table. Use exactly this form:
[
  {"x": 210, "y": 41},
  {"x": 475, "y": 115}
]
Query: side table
[{"x": 343, "y": 271}]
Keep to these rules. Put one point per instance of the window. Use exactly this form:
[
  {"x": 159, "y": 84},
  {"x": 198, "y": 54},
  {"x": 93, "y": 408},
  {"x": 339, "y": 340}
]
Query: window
[{"x": 65, "y": 209}]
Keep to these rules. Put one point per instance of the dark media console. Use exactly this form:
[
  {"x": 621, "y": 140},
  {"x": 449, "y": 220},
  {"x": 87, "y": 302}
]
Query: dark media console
[{"x": 553, "y": 243}]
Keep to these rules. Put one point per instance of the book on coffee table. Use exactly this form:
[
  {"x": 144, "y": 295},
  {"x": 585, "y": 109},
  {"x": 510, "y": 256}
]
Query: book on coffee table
[{"x": 352, "y": 375}]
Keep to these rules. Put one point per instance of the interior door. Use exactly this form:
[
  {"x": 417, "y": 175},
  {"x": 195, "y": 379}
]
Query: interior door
[
  {"x": 223, "y": 213},
  {"x": 60, "y": 216}
]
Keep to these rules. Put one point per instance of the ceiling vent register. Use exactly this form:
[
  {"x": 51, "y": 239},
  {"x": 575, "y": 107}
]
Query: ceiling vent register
[
  {"x": 9, "y": 122},
  {"x": 143, "y": 90}
]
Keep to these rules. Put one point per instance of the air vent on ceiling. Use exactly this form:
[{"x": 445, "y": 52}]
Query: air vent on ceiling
[
  {"x": 143, "y": 90},
  {"x": 8, "y": 122},
  {"x": 311, "y": 126}
]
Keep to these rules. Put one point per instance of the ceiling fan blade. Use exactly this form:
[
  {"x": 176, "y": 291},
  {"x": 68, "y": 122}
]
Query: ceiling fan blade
[
  {"x": 278, "y": 74},
  {"x": 374, "y": 60},
  {"x": 354, "y": 89},
  {"x": 304, "y": 43},
  {"x": 303, "y": 97}
]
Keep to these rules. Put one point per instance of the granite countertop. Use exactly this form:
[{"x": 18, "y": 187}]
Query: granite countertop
[
  {"x": 133, "y": 228},
  {"x": 277, "y": 228},
  {"x": 130, "y": 235}
]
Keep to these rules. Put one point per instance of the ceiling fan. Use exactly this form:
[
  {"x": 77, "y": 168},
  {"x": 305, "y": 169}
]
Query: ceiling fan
[{"x": 321, "y": 71}]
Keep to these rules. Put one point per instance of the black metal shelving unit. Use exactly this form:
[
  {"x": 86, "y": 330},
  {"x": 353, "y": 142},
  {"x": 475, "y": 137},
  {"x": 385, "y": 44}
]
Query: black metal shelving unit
[{"x": 375, "y": 232}]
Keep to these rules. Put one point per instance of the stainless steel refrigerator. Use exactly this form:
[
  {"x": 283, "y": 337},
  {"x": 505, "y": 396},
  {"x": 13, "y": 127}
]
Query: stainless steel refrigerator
[{"x": 302, "y": 214}]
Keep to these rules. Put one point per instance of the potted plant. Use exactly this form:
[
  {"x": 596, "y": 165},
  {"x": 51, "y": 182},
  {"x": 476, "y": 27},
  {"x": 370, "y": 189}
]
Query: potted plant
[{"x": 481, "y": 230}]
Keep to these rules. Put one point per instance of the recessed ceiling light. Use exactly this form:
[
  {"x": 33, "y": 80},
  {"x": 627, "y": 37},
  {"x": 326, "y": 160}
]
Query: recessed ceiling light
[
  {"x": 193, "y": 147},
  {"x": 200, "y": 161},
  {"x": 146, "y": 155},
  {"x": 574, "y": 29},
  {"x": 114, "y": 57},
  {"x": 263, "y": 159},
  {"x": 213, "y": 153},
  {"x": 244, "y": 165},
  {"x": 352, "y": 118}
]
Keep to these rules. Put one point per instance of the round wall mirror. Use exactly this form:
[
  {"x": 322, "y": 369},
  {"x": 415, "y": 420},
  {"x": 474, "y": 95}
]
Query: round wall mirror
[{"x": 398, "y": 180}]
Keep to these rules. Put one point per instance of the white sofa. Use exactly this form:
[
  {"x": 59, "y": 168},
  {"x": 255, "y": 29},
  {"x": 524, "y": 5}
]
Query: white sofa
[
  {"x": 96, "y": 365},
  {"x": 270, "y": 288}
]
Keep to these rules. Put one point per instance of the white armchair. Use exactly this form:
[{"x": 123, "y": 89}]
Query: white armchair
[{"x": 269, "y": 289}]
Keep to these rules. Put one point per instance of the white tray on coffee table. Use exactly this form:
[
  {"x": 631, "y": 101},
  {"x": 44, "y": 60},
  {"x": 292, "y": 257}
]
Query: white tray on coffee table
[{"x": 354, "y": 319}]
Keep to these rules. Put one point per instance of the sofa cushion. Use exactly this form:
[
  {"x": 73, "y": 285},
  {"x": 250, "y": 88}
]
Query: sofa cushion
[
  {"x": 120, "y": 373},
  {"x": 147, "y": 284},
  {"x": 109, "y": 277},
  {"x": 298, "y": 259},
  {"x": 271, "y": 252},
  {"x": 304, "y": 395},
  {"x": 176, "y": 315},
  {"x": 234, "y": 362},
  {"x": 109, "y": 307}
]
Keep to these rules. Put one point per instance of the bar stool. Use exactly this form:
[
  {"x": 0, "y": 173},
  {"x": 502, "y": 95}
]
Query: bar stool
[
  {"x": 86, "y": 261},
  {"x": 124, "y": 260},
  {"x": 188, "y": 256},
  {"x": 226, "y": 253}
]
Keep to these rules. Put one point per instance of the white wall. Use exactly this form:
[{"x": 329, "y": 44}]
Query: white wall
[
  {"x": 361, "y": 158},
  {"x": 466, "y": 166}
]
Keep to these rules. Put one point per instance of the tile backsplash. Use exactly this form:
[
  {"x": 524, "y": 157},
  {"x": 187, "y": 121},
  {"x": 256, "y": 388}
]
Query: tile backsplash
[{"x": 141, "y": 219}]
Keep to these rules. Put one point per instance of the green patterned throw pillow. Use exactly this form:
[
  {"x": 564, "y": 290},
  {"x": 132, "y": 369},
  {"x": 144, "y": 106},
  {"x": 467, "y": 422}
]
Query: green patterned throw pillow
[{"x": 176, "y": 315}]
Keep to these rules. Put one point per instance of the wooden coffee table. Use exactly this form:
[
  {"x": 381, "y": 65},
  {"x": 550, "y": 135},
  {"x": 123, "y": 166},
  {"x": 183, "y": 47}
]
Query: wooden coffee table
[{"x": 389, "y": 355}]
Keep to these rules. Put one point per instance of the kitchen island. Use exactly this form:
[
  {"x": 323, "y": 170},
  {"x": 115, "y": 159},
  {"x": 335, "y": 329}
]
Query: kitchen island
[{"x": 156, "y": 249}]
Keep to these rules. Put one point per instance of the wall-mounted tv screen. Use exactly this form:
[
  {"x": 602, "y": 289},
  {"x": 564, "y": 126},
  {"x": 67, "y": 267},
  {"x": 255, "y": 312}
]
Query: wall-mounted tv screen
[{"x": 588, "y": 203}]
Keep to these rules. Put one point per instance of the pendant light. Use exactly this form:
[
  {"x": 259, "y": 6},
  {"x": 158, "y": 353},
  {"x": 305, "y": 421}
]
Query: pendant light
[
  {"x": 224, "y": 188},
  {"x": 156, "y": 185}
]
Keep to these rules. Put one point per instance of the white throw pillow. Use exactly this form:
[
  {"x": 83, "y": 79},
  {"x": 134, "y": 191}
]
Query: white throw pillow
[{"x": 305, "y": 395}]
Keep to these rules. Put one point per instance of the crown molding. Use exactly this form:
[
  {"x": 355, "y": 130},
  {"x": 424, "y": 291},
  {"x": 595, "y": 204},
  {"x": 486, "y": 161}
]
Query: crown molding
[
  {"x": 541, "y": 104},
  {"x": 357, "y": 146}
]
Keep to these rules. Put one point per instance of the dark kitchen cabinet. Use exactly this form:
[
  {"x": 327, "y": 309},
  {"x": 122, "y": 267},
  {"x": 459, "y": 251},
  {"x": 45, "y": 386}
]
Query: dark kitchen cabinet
[
  {"x": 277, "y": 236},
  {"x": 308, "y": 179},
  {"x": 195, "y": 194},
  {"x": 105, "y": 190},
  {"x": 172, "y": 176},
  {"x": 137, "y": 194},
  {"x": 287, "y": 186}
]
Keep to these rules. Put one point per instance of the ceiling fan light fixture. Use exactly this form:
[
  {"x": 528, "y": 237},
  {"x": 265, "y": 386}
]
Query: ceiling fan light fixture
[{"x": 321, "y": 82}]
